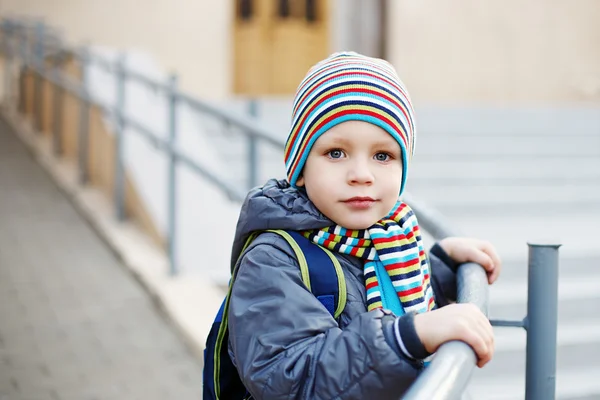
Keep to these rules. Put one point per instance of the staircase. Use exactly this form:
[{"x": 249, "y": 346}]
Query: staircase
[
  {"x": 516, "y": 176},
  {"x": 509, "y": 176}
]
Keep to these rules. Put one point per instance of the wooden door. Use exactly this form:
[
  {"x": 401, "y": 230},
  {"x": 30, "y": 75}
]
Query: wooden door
[{"x": 275, "y": 42}]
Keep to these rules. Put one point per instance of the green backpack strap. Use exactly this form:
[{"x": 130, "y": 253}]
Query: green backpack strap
[
  {"x": 321, "y": 272},
  {"x": 323, "y": 275}
]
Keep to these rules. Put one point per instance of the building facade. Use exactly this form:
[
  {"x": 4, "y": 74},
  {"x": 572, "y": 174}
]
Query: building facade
[{"x": 456, "y": 52}]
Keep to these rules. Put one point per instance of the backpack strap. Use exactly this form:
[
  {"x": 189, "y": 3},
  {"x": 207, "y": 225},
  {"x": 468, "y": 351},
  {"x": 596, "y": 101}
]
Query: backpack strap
[
  {"x": 325, "y": 275},
  {"x": 321, "y": 273}
]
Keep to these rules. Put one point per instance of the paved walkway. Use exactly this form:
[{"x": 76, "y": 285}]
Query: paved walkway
[{"x": 73, "y": 323}]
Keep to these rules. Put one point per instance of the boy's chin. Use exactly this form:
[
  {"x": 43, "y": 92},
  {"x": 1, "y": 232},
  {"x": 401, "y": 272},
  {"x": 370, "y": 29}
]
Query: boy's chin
[{"x": 357, "y": 224}]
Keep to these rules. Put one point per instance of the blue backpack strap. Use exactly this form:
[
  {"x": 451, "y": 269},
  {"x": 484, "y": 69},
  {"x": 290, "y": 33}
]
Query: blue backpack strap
[{"x": 326, "y": 277}]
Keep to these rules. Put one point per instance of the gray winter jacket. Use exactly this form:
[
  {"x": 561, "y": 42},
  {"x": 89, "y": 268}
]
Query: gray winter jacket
[{"x": 283, "y": 341}]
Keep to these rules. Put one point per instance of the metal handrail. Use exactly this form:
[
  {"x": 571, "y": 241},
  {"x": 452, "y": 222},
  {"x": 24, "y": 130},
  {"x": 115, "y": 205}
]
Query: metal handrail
[
  {"x": 449, "y": 372},
  {"x": 32, "y": 54}
]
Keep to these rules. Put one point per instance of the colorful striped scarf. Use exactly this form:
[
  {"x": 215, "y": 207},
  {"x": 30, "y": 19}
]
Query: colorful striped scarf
[{"x": 394, "y": 244}]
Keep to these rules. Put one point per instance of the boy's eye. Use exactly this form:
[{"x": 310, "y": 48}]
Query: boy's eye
[
  {"x": 382, "y": 157},
  {"x": 336, "y": 153}
]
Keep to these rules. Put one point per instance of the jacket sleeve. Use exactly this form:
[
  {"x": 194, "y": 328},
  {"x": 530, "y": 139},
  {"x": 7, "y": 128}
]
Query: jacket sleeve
[
  {"x": 443, "y": 276},
  {"x": 286, "y": 345}
]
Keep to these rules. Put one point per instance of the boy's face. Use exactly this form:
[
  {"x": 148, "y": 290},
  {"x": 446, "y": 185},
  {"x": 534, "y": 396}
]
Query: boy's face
[{"x": 353, "y": 174}]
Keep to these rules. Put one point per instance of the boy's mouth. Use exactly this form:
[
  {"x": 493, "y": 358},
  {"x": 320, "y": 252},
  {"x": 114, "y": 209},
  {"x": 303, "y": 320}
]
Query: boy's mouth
[{"x": 360, "y": 203}]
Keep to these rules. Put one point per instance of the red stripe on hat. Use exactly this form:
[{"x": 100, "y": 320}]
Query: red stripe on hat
[
  {"x": 351, "y": 70},
  {"x": 352, "y": 62}
]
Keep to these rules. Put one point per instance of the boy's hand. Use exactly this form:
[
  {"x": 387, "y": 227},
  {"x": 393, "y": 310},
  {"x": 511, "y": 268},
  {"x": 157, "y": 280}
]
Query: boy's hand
[
  {"x": 464, "y": 250},
  {"x": 463, "y": 322}
]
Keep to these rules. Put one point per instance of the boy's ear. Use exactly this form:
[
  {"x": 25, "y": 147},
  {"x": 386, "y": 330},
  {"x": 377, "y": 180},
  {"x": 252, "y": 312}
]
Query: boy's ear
[{"x": 300, "y": 181}]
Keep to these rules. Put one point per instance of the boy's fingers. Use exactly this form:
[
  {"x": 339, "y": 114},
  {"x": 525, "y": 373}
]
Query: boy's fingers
[
  {"x": 494, "y": 275},
  {"x": 489, "y": 333},
  {"x": 485, "y": 351},
  {"x": 492, "y": 265},
  {"x": 489, "y": 249},
  {"x": 495, "y": 271},
  {"x": 477, "y": 332},
  {"x": 478, "y": 341},
  {"x": 488, "y": 337},
  {"x": 482, "y": 258}
]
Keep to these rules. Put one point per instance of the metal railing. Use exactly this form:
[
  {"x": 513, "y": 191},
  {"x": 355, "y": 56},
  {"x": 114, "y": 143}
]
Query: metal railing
[
  {"x": 34, "y": 44},
  {"x": 448, "y": 374}
]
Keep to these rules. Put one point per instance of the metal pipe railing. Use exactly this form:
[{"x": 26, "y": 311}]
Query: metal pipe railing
[
  {"x": 541, "y": 321},
  {"x": 448, "y": 374}
]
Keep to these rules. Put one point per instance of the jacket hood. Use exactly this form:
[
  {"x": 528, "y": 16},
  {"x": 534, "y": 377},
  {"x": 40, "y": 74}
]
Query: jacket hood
[{"x": 276, "y": 205}]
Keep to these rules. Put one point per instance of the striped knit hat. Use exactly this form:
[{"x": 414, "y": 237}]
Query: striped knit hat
[{"x": 343, "y": 87}]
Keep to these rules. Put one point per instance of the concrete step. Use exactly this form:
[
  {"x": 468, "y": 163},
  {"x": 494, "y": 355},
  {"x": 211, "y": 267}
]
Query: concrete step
[
  {"x": 575, "y": 229},
  {"x": 579, "y": 280},
  {"x": 527, "y": 170},
  {"x": 570, "y": 288},
  {"x": 492, "y": 121},
  {"x": 570, "y": 309},
  {"x": 506, "y": 196},
  {"x": 571, "y": 383},
  {"x": 578, "y": 351},
  {"x": 515, "y": 269},
  {"x": 575, "y": 333},
  {"x": 578, "y": 338},
  {"x": 514, "y": 146}
]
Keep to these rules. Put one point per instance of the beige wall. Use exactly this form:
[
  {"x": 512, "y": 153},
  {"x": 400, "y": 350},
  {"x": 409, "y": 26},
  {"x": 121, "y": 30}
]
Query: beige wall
[
  {"x": 446, "y": 51},
  {"x": 191, "y": 37},
  {"x": 523, "y": 51}
]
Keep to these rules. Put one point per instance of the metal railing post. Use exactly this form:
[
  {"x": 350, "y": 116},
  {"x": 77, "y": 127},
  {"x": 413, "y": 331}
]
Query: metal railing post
[
  {"x": 38, "y": 61},
  {"x": 57, "y": 112},
  {"x": 252, "y": 148},
  {"x": 22, "y": 54},
  {"x": 119, "y": 183},
  {"x": 541, "y": 322},
  {"x": 6, "y": 40},
  {"x": 172, "y": 189},
  {"x": 84, "y": 120}
]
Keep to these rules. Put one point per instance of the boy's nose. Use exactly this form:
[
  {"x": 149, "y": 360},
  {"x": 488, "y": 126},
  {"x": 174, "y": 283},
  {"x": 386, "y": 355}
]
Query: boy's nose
[{"x": 359, "y": 173}]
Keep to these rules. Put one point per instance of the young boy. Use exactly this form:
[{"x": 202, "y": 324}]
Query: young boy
[{"x": 347, "y": 158}]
